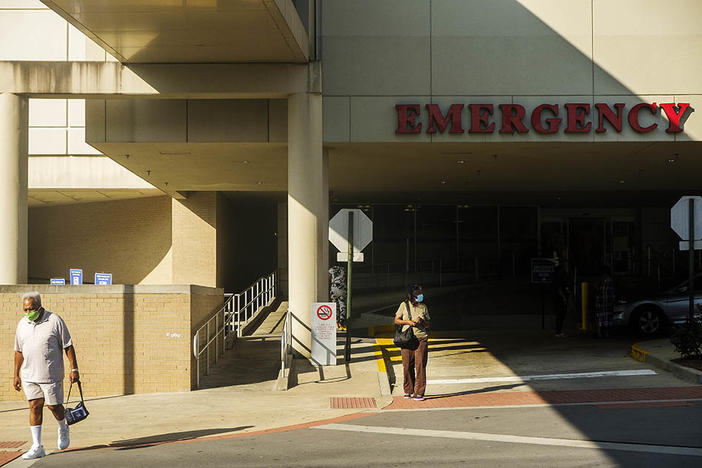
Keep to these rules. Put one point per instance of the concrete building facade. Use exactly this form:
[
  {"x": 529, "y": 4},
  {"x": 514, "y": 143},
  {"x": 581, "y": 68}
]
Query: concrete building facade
[{"x": 207, "y": 142}]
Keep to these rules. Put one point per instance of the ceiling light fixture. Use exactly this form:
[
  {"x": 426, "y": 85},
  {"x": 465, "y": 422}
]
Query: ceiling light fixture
[{"x": 461, "y": 161}]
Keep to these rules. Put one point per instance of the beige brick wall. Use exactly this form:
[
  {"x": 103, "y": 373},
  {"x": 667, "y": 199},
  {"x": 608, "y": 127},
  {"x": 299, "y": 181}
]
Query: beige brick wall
[
  {"x": 195, "y": 239},
  {"x": 129, "y": 238},
  {"x": 128, "y": 339}
]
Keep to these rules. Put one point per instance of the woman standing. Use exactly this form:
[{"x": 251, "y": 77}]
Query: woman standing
[
  {"x": 604, "y": 303},
  {"x": 413, "y": 313}
]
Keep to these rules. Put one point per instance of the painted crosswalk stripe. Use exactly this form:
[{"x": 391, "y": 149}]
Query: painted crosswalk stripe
[
  {"x": 645, "y": 448},
  {"x": 527, "y": 378}
]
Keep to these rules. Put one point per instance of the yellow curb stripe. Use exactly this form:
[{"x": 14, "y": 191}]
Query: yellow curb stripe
[
  {"x": 379, "y": 359},
  {"x": 638, "y": 353}
]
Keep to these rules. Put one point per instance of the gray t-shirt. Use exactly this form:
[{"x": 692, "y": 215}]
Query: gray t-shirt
[{"x": 41, "y": 344}]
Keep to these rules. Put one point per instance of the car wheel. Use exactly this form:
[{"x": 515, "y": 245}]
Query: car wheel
[{"x": 649, "y": 321}]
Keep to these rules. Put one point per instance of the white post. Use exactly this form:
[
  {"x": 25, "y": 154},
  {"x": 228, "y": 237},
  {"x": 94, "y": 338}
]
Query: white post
[
  {"x": 306, "y": 216},
  {"x": 13, "y": 189}
]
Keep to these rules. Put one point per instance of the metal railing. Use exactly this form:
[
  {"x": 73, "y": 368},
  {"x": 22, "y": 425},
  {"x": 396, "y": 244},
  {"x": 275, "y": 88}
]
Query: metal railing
[
  {"x": 286, "y": 345},
  {"x": 236, "y": 314}
]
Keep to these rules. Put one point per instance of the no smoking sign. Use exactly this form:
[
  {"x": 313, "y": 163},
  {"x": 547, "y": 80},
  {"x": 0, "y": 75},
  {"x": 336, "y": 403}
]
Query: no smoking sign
[
  {"x": 323, "y": 329},
  {"x": 324, "y": 312}
]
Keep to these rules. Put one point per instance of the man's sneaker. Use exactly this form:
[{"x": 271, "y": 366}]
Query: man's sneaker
[
  {"x": 37, "y": 451},
  {"x": 408, "y": 396},
  {"x": 419, "y": 397},
  {"x": 64, "y": 439}
]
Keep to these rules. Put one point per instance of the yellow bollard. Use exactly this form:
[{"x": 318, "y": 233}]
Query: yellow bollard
[{"x": 585, "y": 324}]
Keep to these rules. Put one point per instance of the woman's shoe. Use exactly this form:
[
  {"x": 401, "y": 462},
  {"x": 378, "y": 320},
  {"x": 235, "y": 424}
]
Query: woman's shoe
[{"x": 407, "y": 396}]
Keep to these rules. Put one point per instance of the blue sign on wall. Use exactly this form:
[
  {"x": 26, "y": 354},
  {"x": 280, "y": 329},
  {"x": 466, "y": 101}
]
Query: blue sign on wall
[
  {"x": 57, "y": 281},
  {"x": 76, "y": 276},
  {"x": 103, "y": 278}
]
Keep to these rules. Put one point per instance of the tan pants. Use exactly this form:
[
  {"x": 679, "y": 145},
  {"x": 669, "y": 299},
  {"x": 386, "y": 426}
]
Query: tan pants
[{"x": 414, "y": 366}]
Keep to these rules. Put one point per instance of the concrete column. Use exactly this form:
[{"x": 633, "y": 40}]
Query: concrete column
[
  {"x": 13, "y": 189},
  {"x": 323, "y": 234},
  {"x": 306, "y": 215}
]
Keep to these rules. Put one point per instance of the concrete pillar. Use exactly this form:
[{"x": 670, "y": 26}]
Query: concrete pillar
[
  {"x": 13, "y": 189},
  {"x": 306, "y": 216},
  {"x": 323, "y": 234}
]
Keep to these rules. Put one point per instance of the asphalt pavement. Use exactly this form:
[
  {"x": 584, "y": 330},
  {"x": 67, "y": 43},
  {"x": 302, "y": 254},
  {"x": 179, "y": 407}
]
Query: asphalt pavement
[{"x": 494, "y": 398}]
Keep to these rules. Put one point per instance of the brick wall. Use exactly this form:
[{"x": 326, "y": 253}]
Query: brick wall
[
  {"x": 128, "y": 339},
  {"x": 103, "y": 237}
]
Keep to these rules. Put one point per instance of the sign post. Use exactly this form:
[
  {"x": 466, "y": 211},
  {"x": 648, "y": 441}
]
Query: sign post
[
  {"x": 349, "y": 263},
  {"x": 691, "y": 254},
  {"x": 686, "y": 221},
  {"x": 350, "y": 231},
  {"x": 542, "y": 271},
  {"x": 323, "y": 329}
]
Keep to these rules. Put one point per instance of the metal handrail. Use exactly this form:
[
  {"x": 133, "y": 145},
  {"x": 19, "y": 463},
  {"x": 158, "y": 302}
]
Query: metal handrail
[
  {"x": 285, "y": 344},
  {"x": 265, "y": 289}
]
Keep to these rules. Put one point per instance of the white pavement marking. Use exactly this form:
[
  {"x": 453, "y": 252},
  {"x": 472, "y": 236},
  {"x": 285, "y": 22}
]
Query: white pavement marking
[
  {"x": 545, "y": 405},
  {"x": 526, "y": 378},
  {"x": 661, "y": 449}
]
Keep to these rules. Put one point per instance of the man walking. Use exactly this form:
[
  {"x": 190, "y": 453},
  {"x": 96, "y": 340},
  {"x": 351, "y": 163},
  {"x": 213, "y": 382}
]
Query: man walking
[{"x": 39, "y": 340}]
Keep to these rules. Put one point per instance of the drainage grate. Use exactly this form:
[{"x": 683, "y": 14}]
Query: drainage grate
[
  {"x": 352, "y": 402},
  {"x": 11, "y": 443}
]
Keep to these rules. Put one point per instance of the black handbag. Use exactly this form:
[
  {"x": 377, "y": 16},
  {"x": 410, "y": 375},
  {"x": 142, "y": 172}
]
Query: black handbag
[
  {"x": 405, "y": 339},
  {"x": 80, "y": 412}
]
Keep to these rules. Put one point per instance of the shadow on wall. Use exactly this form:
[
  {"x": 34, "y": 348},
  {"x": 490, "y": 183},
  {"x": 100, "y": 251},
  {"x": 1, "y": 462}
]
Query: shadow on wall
[{"x": 129, "y": 238}]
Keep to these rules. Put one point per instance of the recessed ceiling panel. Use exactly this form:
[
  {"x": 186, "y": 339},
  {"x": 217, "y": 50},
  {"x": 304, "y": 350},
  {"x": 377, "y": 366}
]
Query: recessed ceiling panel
[{"x": 191, "y": 31}]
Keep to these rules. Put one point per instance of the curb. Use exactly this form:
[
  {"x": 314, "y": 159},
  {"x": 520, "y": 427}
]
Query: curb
[
  {"x": 383, "y": 375},
  {"x": 681, "y": 372}
]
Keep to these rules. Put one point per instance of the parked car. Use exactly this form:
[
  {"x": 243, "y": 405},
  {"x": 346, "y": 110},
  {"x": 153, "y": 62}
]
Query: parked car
[{"x": 654, "y": 314}]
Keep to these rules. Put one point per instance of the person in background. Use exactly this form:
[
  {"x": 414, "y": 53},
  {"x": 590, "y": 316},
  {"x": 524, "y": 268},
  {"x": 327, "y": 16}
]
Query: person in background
[
  {"x": 604, "y": 303},
  {"x": 414, "y": 313},
  {"x": 337, "y": 293},
  {"x": 561, "y": 286},
  {"x": 40, "y": 338}
]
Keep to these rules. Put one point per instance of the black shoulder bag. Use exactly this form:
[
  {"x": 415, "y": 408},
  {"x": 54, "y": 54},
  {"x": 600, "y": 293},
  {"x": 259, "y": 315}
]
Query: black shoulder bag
[
  {"x": 405, "y": 339},
  {"x": 80, "y": 412}
]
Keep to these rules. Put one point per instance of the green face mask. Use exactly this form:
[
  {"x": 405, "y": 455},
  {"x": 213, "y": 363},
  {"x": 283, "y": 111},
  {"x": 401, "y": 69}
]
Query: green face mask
[{"x": 33, "y": 315}]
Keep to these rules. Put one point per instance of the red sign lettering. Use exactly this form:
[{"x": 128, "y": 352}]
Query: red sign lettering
[
  {"x": 480, "y": 121},
  {"x": 553, "y": 123},
  {"x": 453, "y": 115},
  {"x": 512, "y": 115},
  {"x": 576, "y": 118},
  {"x": 604, "y": 112},
  {"x": 634, "y": 117},
  {"x": 674, "y": 117},
  {"x": 409, "y": 118},
  {"x": 406, "y": 118}
]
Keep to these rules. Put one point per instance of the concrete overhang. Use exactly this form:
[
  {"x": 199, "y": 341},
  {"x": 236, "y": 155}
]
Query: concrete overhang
[
  {"x": 191, "y": 31},
  {"x": 195, "y": 81}
]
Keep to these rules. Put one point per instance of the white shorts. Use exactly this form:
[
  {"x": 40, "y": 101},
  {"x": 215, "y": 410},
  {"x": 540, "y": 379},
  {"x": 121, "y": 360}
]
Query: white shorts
[{"x": 51, "y": 392}]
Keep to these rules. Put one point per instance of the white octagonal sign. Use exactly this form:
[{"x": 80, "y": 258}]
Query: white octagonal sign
[
  {"x": 339, "y": 230},
  {"x": 680, "y": 217}
]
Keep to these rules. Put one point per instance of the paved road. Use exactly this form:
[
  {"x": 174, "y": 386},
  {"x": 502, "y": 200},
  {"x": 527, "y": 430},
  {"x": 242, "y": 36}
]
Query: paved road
[
  {"x": 648, "y": 418},
  {"x": 640, "y": 435}
]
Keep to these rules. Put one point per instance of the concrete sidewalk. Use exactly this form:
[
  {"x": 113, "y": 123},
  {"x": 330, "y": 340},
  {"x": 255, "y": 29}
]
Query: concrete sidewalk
[
  {"x": 660, "y": 353},
  {"x": 250, "y": 406}
]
